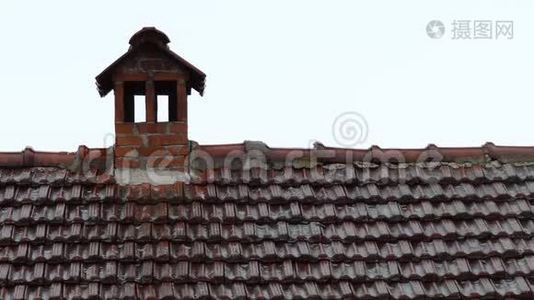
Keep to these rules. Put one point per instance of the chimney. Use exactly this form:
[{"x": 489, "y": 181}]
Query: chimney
[{"x": 150, "y": 77}]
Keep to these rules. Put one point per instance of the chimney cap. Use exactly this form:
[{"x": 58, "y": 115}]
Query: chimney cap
[
  {"x": 149, "y": 35},
  {"x": 154, "y": 37}
]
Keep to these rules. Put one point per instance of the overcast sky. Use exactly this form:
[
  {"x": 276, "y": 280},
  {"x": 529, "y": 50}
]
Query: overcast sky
[{"x": 277, "y": 71}]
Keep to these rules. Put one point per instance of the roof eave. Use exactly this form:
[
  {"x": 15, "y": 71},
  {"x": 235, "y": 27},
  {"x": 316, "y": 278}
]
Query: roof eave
[{"x": 104, "y": 79}]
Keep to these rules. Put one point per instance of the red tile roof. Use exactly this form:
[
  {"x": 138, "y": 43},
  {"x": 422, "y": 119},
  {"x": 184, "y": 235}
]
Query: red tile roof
[
  {"x": 488, "y": 152},
  {"x": 459, "y": 228}
]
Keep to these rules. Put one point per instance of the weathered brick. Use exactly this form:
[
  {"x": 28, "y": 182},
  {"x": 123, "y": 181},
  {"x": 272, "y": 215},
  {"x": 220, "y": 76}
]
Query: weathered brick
[
  {"x": 178, "y": 149},
  {"x": 124, "y": 128},
  {"x": 129, "y": 140},
  {"x": 167, "y": 139},
  {"x": 165, "y": 162},
  {"x": 124, "y": 163},
  {"x": 153, "y": 150},
  {"x": 144, "y": 128},
  {"x": 157, "y": 162},
  {"x": 177, "y": 127},
  {"x": 177, "y": 162},
  {"x": 126, "y": 151}
]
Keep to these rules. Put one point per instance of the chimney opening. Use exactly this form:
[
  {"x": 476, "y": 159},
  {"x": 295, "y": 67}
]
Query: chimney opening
[
  {"x": 167, "y": 90},
  {"x": 163, "y": 108},
  {"x": 140, "y": 108},
  {"x": 134, "y": 101}
]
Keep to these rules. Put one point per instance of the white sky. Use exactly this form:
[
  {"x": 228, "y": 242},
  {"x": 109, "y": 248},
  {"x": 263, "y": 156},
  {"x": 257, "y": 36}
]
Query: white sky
[{"x": 277, "y": 71}]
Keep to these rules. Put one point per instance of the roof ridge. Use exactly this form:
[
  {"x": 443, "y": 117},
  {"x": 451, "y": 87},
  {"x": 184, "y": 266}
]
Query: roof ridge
[
  {"x": 483, "y": 154},
  {"x": 31, "y": 158}
]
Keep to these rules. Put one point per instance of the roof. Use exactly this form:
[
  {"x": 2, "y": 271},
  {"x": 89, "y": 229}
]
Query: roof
[
  {"x": 158, "y": 39},
  {"x": 486, "y": 153},
  {"x": 461, "y": 227}
]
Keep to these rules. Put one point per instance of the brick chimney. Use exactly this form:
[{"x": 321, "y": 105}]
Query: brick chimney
[{"x": 148, "y": 74}]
